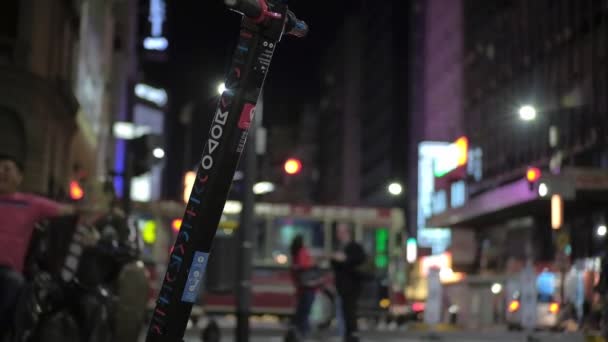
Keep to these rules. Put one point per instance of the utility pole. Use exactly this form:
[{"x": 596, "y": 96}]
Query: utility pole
[{"x": 246, "y": 232}]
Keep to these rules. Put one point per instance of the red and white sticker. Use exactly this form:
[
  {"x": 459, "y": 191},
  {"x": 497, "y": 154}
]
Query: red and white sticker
[{"x": 246, "y": 116}]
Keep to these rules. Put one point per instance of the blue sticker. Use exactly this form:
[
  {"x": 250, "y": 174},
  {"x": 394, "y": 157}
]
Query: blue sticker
[{"x": 195, "y": 277}]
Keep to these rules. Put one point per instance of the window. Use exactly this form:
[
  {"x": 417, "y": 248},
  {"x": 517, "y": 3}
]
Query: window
[{"x": 286, "y": 229}]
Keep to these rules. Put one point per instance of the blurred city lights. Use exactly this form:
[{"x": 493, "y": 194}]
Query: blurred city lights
[
  {"x": 128, "y": 130},
  {"x": 263, "y": 188},
  {"x": 176, "y": 224},
  {"x": 149, "y": 231},
  {"x": 601, "y": 230},
  {"x": 233, "y": 207},
  {"x": 154, "y": 95},
  {"x": 221, "y": 88},
  {"x": 411, "y": 250},
  {"x": 292, "y": 166},
  {"x": 496, "y": 288},
  {"x": 281, "y": 259},
  {"x": 543, "y": 189},
  {"x": 514, "y": 306},
  {"x": 557, "y": 211},
  {"x": 527, "y": 113},
  {"x": 533, "y": 174},
  {"x": 395, "y": 189},
  {"x": 158, "y": 153},
  {"x": 189, "y": 179},
  {"x": 76, "y": 191},
  {"x": 156, "y": 43}
]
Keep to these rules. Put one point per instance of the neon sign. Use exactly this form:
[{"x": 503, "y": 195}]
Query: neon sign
[
  {"x": 158, "y": 96},
  {"x": 157, "y": 19},
  {"x": 456, "y": 156},
  {"x": 435, "y": 237}
]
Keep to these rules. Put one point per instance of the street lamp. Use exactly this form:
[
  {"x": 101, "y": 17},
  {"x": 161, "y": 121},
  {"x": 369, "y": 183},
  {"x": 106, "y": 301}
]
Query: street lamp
[
  {"x": 158, "y": 153},
  {"x": 527, "y": 113},
  {"x": 221, "y": 88},
  {"x": 395, "y": 189},
  {"x": 543, "y": 189},
  {"x": 602, "y": 230}
]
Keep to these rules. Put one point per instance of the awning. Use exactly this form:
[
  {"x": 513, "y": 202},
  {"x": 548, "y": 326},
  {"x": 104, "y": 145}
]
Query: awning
[{"x": 516, "y": 199}]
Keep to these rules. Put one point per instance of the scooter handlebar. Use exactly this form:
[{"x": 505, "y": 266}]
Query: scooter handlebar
[
  {"x": 249, "y": 8},
  {"x": 258, "y": 11},
  {"x": 295, "y": 27}
]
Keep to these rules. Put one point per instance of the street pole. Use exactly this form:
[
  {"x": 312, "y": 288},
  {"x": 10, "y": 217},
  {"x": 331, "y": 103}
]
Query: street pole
[{"x": 246, "y": 232}]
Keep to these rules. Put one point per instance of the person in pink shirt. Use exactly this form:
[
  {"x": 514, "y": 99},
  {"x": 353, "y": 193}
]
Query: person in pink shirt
[
  {"x": 302, "y": 261},
  {"x": 19, "y": 212}
]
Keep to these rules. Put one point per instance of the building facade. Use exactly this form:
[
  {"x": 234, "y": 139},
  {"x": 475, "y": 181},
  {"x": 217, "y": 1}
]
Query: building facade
[
  {"x": 56, "y": 81},
  {"x": 364, "y": 107},
  {"x": 548, "y": 58}
]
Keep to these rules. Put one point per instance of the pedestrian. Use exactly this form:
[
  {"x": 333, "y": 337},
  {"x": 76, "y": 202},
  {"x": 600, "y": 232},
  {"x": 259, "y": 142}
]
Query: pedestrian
[
  {"x": 346, "y": 263},
  {"x": 19, "y": 212},
  {"x": 306, "y": 278}
]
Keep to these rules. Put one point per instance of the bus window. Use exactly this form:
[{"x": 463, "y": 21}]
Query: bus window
[{"x": 285, "y": 229}]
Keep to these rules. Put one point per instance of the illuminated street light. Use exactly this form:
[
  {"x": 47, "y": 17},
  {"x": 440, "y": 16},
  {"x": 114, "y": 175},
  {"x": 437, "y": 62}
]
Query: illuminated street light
[
  {"x": 527, "y": 113},
  {"x": 543, "y": 189},
  {"x": 601, "y": 230},
  {"x": 395, "y": 189},
  {"x": 158, "y": 153},
  {"x": 496, "y": 288},
  {"x": 221, "y": 88}
]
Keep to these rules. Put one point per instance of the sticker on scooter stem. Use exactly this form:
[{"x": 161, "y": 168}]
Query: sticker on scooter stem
[
  {"x": 246, "y": 116},
  {"x": 195, "y": 277}
]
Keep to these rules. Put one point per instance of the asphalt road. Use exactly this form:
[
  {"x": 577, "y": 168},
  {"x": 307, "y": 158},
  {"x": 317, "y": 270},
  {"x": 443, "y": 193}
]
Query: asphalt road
[{"x": 405, "y": 336}]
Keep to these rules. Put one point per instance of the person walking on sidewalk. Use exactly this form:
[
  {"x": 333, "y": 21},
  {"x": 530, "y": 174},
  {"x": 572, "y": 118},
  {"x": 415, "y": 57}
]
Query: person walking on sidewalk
[
  {"x": 306, "y": 279},
  {"x": 345, "y": 264}
]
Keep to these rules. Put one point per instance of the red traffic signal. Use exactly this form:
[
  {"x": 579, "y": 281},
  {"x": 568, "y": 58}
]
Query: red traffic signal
[
  {"x": 292, "y": 166},
  {"x": 76, "y": 191},
  {"x": 533, "y": 174}
]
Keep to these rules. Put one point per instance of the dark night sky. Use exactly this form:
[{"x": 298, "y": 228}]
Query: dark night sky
[{"x": 202, "y": 34}]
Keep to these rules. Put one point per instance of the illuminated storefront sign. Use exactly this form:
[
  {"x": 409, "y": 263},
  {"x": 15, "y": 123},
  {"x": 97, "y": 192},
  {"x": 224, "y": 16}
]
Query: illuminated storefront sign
[
  {"x": 436, "y": 238},
  {"x": 158, "y": 96},
  {"x": 458, "y": 194},
  {"x": 443, "y": 262},
  {"x": 456, "y": 156}
]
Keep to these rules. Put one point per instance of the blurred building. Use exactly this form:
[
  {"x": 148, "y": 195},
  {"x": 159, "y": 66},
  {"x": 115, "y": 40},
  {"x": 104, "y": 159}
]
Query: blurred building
[
  {"x": 363, "y": 121},
  {"x": 552, "y": 57},
  {"x": 56, "y": 86},
  {"x": 436, "y": 96}
]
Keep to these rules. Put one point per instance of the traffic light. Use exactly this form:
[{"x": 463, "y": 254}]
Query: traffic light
[
  {"x": 533, "y": 174},
  {"x": 146, "y": 151},
  {"x": 76, "y": 191},
  {"x": 292, "y": 166}
]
